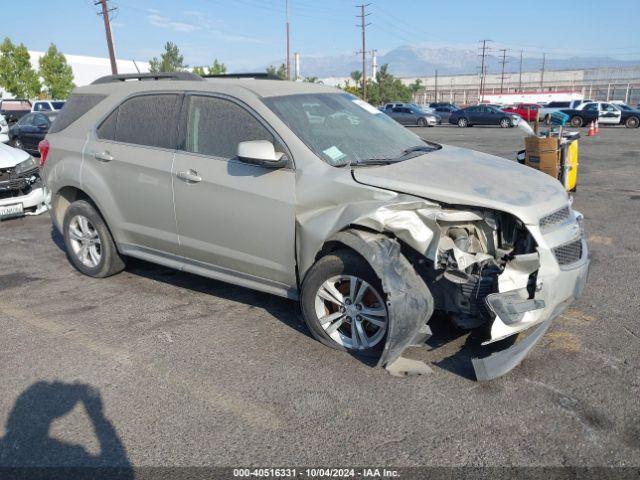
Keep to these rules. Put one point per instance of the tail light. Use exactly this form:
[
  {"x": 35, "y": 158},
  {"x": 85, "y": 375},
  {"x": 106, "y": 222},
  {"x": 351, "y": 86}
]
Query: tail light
[{"x": 43, "y": 148}]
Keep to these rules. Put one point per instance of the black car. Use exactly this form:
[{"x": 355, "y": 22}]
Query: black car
[
  {"x": 483, "y": 115},
  {"x": 442, "y": 104},
  {"x": 30, "y": 130}
]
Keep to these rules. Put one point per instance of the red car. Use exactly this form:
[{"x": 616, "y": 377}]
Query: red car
[{"x": 527, "y": 111}]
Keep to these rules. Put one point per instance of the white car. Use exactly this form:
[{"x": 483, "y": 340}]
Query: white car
[
  {"x": 4, "y": 130},
  {"x": 21, "y": 191},
  {"x": 47, "y": 105}
]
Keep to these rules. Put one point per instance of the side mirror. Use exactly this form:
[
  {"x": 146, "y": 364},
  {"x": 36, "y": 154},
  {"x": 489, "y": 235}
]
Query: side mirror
[{"x": 260, "y": 152}]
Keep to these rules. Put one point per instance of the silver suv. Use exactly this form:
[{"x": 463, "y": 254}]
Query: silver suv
[{"x": 307, "y": 192}]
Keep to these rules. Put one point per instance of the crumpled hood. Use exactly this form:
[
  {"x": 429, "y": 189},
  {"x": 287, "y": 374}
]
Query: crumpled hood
[
  {"x": 460, "y": 176},
  {"x": 10, "y": 157}
]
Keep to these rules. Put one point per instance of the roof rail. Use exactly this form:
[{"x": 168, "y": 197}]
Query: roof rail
[
  {"x": 257, "y": 76},
  {"x": 147, "y": 76}
]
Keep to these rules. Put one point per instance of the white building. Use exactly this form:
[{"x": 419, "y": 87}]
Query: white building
[{"x": 87, "y": 69}]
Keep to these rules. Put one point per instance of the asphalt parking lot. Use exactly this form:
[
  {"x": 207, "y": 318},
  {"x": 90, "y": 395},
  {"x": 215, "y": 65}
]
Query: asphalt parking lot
[{"x": 192, "y": 371}]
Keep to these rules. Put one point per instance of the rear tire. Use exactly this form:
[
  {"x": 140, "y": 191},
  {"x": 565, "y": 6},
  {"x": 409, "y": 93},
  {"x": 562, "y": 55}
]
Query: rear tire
[
  {"x": 90, "y": 247},
  {"x": 632, "y": 122},
  {"x": 335, "y": 270},
  {"x": 576, "y": 121},
  {"x": 463, "y": 122}
]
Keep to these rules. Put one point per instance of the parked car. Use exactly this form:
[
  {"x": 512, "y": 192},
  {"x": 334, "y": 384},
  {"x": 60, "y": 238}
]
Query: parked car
[
  {"x": 14, "y": 109},
  {"x": 445, "y": 111},
  {"x": 368, "y": 226},
  {"x": 442, "y": 104},
  {"x": 608, "y": 114},
  {"x": 546, "y": 110},
  {"x": 413, "y": 116},
  {"x": 527, "y": 111},
  {"x": 30, "y": 129},
  {"x": 21, "y": 189},
  {"x": 483, "y": 115},
  {"x": 47, "y": 105}
]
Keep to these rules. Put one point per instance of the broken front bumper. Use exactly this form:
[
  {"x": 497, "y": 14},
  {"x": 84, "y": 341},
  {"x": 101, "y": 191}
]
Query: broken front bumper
[{"x": 558, "y": 284}]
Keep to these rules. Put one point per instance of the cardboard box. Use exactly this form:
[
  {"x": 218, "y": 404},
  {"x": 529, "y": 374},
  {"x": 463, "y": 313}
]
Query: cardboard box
[{"x": 543, "y": 154}]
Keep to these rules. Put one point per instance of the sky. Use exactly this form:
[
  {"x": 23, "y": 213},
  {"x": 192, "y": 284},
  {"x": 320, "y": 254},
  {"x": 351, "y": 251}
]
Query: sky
[{"x": 247, "y": 34}]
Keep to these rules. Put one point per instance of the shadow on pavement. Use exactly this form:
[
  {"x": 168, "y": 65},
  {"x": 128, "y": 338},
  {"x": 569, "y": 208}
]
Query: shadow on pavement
[{"x": 27, "y": 450}]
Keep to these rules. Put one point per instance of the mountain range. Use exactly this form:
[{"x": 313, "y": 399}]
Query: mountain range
[{"x": 407, "y": 61}]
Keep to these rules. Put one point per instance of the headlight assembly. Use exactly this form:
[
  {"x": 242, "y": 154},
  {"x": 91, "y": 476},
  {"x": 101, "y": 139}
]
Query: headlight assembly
[{"x": 28, "y": 164}]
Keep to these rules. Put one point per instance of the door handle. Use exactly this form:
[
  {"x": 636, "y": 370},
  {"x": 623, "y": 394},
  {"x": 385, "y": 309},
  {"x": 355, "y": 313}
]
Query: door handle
[
  {"x": 103, "y": 156},
  {"x": 190, "y": 176}
]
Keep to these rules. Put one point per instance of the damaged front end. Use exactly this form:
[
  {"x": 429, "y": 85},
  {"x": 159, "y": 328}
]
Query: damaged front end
[
  {"x": 21, "y": 186},
  {"x": 486, "y": 270}
]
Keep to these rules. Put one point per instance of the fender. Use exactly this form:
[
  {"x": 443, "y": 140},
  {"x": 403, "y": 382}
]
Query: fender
[{"x": 409, "y": 301}]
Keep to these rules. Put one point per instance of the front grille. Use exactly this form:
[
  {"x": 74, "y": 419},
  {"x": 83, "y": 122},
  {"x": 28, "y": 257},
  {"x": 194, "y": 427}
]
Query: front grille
[
  {"x": 569, "y": 252},
  {"x": 555, "y": 218}
]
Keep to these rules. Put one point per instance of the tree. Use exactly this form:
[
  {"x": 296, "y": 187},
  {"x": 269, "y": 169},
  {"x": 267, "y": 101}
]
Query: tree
[
  {"x": 356, "y": 75},
  {"x": 56, "y": 73},
  {"x": 17, "y": 76},
  {"x": 280, "y": 73},
  {"x": 416, "y": 86},
  {"x": 311, "y": 79},
  {"x": 217, "y": 68},
  {"x": 385, "y": 88},
  {"x": 170, "y": 60}
]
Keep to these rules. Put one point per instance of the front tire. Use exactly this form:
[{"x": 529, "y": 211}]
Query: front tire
[
  {"x": 343, "y": 304},
  {"x": 463, "y": 122},
  {"x": 90, "y": 247},
  {"x": 505, "y": 123},
  {"x": 632, "y": 122},
  {"x": 422, "y": 122},
  {"x": 576, "y": 121}
]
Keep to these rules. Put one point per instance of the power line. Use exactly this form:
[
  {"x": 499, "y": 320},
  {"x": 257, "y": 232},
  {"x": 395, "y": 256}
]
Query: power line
[
  {"x": 364, "y": 26},
  {"x": 107, "y": 28}
]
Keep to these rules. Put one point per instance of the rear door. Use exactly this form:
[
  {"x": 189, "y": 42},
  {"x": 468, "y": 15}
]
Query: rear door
[
  {"x": 234, "y": 219},
  {"x": 24, "y": 130},
  {"x": 127, "y": 164}
]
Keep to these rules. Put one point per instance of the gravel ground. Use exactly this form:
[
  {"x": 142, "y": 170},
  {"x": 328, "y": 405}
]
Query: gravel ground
[{"x": 154, "y": 367}]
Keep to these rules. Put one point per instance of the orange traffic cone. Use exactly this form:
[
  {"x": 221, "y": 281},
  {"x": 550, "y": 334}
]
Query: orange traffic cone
[
  {"x": 592, "y": 130},
  {"x": 597, "y": 129}
]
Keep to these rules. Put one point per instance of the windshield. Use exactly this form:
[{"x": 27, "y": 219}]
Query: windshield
[{"x": 343, "y": 130}]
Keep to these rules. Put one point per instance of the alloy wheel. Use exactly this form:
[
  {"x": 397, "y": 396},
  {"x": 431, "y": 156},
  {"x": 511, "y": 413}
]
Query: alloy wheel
[
  {"x": 85, "y": 241},
  {"x": 351, "y": 311}
]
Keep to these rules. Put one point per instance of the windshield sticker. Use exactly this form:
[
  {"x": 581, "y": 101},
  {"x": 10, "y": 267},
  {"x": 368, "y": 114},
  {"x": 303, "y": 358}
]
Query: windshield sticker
[
  {"x": 334, "y": 154},
  {"x": 366, "y": 106}
]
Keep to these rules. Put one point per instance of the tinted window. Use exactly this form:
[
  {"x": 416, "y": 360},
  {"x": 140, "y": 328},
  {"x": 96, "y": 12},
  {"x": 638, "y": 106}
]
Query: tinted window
[
  {"x": 40, "y": 107},
  {"x": 215, "y": 127},
  {"x": 148, "y": 120},
  {"x": 76, "y": 107},
  {"x": 591, "y": 107},
  {"x": 57, "y": 105},
  {"x": 107, "y": 129}
]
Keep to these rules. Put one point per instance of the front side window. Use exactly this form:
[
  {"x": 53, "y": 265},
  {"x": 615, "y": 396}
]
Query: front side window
[
  {"x": 348, "y": 132},
  {"x": 215, "y": 126},
  {"x": 150, "y": 120},
  {"x": 590, "y": 107}
]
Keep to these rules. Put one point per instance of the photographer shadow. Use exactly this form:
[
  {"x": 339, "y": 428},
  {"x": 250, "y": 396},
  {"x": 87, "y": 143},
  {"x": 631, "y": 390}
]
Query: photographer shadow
[{"x": 27, "y": 446}]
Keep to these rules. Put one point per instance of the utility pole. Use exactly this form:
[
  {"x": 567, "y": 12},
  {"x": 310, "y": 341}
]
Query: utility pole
[
  {"x": 504, "y": 61},
  {"x": 374, "y": 63},
  {"x": 107, "y": 27},
  {"x": 436, "y": 87},
  {"x": 482, "y": 68},
  {"x": 363, "y": 26},
  {"x": 520, "y": 77},
  {"x": 286, "y": 13},
  {"x": 544, "y": 57}
]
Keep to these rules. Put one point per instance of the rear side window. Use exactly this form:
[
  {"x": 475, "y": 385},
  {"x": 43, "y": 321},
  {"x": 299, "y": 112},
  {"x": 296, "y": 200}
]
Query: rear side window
[
  {"x": 77, "y": 106},
  {"x": 150, "y": 120},
  {"x": 107, "y": 129},
  {"x": 215, "y": 126}
]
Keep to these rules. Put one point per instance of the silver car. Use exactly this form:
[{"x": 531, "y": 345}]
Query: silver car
[{"x": 369, "y": 227}]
